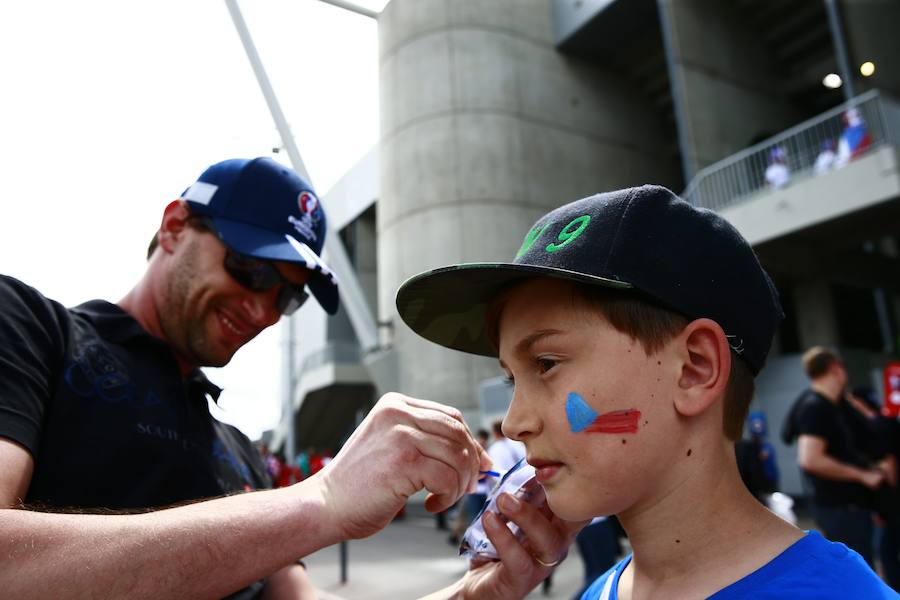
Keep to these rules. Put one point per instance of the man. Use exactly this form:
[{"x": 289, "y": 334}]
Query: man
[
  {"x": 838, "y": 474},
  {"x": 103, "y": 407}
]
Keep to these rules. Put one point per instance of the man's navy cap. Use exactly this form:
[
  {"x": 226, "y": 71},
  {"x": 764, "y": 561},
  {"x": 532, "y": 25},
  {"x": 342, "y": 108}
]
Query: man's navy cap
[
  {"x": 687, "y": 259},
  {"x": 263, "y": 209}
]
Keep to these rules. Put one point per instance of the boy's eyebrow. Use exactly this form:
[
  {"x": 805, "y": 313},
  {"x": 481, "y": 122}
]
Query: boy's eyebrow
[{"x": 530, "y": 340}]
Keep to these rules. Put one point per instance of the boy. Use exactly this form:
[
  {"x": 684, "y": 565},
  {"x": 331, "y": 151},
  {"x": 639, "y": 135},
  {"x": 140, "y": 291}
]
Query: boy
[{"x": 631, "y": 325}]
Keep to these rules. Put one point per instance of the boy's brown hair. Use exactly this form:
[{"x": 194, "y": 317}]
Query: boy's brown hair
[{"x": 652, "y": 326}]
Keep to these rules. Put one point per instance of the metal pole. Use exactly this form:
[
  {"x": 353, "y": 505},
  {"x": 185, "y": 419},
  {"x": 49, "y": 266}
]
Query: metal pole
[
  {"x": 352, "y": 8},
  {"x": 840, "y": 48},
  {"x": 343, "y": 552},
  {"x": 290, "y": 440},
  {"x": 677, "y": 90},
  {"x": 352, "y": 297}
]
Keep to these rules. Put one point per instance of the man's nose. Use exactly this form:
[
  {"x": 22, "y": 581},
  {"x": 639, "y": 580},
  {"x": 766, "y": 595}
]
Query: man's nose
[{"x": 260, "y": 308}]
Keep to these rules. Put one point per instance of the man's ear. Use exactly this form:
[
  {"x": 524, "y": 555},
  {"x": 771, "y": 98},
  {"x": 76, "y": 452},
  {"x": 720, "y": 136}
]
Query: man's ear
[
  {"x": 705, "y": 366},
  {"x": 173, "y": 224}
]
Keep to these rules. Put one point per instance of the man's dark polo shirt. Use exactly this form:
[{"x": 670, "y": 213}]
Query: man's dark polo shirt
[
  {"x": 816, "y": 416},
  {"x": 102, "y": 407}
]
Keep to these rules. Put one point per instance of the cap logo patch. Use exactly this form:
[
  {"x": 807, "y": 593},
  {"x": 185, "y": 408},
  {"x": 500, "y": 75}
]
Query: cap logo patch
[
  {"x": 309, "y": 205},
  {"x": 531, "y": 237},
  {"x": 310, "y": 215},
  {"x": 568, "y": 235},
  {"x": 200, "y": 192}
]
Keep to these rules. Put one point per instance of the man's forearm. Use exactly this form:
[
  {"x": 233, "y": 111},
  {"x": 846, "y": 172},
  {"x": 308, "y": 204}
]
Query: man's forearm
[
  {"x": 203, "y": 550},
  {"x": 829, "y": 468}
]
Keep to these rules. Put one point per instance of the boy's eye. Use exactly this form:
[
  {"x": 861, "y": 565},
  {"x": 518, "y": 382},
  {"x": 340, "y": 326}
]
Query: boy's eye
[
  {"x": 545, "y": 364},
  {"x": 509, "y": 380}
]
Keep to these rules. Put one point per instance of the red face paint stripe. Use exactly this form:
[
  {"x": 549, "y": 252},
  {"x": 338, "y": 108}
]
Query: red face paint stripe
[{"x": 617, "y": 421}]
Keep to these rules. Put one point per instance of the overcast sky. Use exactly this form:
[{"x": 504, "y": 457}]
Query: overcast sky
[{"x": 110, "y": 109}]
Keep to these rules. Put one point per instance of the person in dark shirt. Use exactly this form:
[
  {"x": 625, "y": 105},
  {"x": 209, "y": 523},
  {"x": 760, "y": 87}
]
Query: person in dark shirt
[
  {"x": 839, "y": 475},
  {"x": 103, "y": 410}
]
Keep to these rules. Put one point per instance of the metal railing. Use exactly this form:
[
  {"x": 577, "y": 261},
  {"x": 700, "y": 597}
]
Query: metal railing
[{"x": 818, "y": 145}]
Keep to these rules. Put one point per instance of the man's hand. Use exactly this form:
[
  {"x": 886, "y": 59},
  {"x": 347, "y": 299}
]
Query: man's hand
[
  {"x": 888, "y": 466},
  {"x": 547, "y": 539},
  {"x": 402, "y": 446},
  {"x": 872, "y": 479}
]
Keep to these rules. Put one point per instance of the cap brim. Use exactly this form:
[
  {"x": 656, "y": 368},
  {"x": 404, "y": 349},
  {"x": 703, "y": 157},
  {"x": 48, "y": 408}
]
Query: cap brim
[
  {"x": 448, "y": 305},
  {"x": 268, "y": 245}
]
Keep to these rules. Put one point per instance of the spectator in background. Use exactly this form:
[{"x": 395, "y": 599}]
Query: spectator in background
[
  {"x": 471, "y": 504},
  {"x": 504, "y": 452},
  {"x": 303, "y": 462},
  {"x": 855, "y": 139},
  {"x": 756, "y": 458},
  {"x": 288, "y": 474},
  {"x": 778, "y": 174},
  {"x": 882, "y": 439},
  {"x": 826, "y": 158},
  {"x": 838, "y": 475}
]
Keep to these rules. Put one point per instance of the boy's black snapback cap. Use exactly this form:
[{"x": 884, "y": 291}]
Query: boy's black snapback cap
[{"x": 687, "y": 259}]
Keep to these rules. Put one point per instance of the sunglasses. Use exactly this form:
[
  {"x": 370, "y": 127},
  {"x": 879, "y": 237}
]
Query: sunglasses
[{"x": 259, "y": 275}]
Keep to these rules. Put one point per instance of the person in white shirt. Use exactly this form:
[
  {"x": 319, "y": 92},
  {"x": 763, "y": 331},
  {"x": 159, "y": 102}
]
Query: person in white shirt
[
  {"x": 825, "y": 161},
  {"x": 504, "y": 452},
  {"x": 778, "y": 174}
]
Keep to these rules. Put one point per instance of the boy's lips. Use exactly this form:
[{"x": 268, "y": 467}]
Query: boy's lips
[{"x": 545, "y": 470}]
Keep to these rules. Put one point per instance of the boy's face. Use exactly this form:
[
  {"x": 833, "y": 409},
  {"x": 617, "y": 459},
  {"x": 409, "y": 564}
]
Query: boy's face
[{"x": 553, "y": 344}]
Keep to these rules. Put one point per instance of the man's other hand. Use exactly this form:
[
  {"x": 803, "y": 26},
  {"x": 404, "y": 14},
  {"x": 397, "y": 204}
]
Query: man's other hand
[{"x": 403, "y": 446}]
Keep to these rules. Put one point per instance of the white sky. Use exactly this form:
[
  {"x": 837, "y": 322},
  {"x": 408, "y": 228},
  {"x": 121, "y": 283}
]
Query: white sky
[{"x": 109, "y": 109}]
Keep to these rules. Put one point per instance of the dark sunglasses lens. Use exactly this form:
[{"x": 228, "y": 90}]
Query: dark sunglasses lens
[
  {"x": 290, "y": 299},
  {"x": 255, "y": 275}
]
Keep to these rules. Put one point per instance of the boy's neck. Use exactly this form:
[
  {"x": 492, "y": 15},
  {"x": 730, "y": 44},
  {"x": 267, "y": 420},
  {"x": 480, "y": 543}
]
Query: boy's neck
[{"x": 701, "y": 535}]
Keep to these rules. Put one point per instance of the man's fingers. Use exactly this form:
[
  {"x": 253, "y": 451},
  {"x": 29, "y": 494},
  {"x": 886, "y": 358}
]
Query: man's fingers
[
  {"x": 439, "y": 423},
  {"x": 451, "y": 412},
  {"x": 437, "y": 448}
]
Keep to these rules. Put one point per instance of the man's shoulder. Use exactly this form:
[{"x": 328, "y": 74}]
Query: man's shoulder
[
  {"x": 27, "y": 316},
  {"x": 812, "y": 404}
]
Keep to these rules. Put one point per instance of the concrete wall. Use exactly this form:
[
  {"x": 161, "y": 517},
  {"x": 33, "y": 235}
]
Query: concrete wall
[
  {"x": 871, "y": 30},
  {"x": 485, "y": 127},
  {"x": 730, "y": 86}
]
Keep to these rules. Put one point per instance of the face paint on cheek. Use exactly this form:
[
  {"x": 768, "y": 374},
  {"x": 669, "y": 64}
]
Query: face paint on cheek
[
  {"x": 578, "y": 412},
  {"x": 583, "y": 418},
  {"x": 617, "y": 421}
]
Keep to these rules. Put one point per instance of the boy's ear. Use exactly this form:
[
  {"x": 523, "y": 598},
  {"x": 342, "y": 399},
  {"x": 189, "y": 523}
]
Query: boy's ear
[
  {"x": 173, "y": 224},
  {"x": 705, "y": 366}
]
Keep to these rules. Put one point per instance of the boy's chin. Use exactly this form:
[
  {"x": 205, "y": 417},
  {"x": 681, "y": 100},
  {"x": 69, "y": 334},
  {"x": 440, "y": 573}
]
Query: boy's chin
[{"x": 570, "y": 509}]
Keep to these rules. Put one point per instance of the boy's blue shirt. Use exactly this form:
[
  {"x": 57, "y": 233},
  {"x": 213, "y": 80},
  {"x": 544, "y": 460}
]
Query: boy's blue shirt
[{"x": 812, "y": 567}]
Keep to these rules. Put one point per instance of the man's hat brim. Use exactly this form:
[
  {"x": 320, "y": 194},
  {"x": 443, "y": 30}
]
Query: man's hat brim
[
  {"x": 269, "y": 245},
  {"x": 448, "y": 305}
]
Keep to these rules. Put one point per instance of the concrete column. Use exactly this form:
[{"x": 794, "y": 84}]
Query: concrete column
[
  {"x": 485, "y": 127},
  {"x": 816, "y": 319}
]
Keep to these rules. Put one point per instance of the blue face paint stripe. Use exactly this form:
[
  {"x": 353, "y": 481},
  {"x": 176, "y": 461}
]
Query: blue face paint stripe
[{"x": 580, "y": 415}]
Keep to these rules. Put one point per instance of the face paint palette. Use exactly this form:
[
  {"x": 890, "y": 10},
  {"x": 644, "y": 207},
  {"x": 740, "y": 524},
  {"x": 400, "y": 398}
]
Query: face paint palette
[{"x": 520, "y": 482}]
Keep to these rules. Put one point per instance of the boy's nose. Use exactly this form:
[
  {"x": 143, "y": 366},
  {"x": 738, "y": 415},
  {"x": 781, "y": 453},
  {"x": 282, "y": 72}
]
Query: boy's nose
[{"x": 520, "y": 422}]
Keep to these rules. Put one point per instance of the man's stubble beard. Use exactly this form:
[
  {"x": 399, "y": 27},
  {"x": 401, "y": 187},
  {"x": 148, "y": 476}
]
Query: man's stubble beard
[{"x": 187, "y": 336}]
